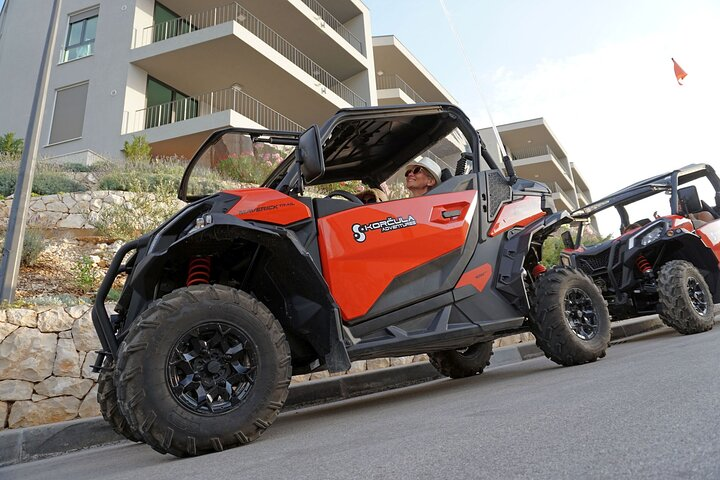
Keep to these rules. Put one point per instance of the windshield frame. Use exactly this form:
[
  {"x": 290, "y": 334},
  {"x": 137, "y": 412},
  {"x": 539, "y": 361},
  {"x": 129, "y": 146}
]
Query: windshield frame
[{"x": 274, "y": 137}]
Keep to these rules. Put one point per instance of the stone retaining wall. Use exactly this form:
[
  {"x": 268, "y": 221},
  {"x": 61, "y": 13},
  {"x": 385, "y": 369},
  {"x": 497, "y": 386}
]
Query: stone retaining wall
[
  {"x": 71, "y": 210},
  {"x": 46, "y": 355}
]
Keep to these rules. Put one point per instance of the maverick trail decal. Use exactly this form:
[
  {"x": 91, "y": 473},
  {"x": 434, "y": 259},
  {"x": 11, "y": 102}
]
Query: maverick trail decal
[{"x": 387, "y": 225}]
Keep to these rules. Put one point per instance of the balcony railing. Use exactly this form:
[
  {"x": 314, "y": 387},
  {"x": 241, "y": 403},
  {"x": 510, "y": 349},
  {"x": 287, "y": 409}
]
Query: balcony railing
[
  {"x": 335, "y": 24},
  {"x": 394, "y": 81},
  {"x": 533, "y": 152},
  {"x": 569, "y": 199},
  {"x": 237, "y": 13},
  {"x": 213, "y": 102}
]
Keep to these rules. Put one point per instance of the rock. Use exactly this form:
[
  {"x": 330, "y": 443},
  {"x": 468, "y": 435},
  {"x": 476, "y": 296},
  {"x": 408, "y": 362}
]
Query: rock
[
  {"x": 3, "y": 316},
  {"x": 55, "y": 320},
  {"x": 96, "y": 204},
  {"x": 94, "y": 259},
  {"x": 13, "y": 390},
  {"x": 57, "y": 207},
  {"x": 358, "y": 366},
  {"x": 22, "y": 317},
  {"x": 89, "y": 406},
  {"x": 67, "y": 360},
  {"x": 81, "y": 207},
  {"x": 114, "y": 199},
  {"x": 86, "y": 340},
  {"x": 300, "y": 378},
  {"x": 6, "y": 329},
  {"x": 51, "y": 410},
  {"x": 15, "y": 361},
  {"x": 88, "y": 362},
  {"x": 37, "y": 398},
  {"x": 74, "y": 220},
  {"x": 421, "y": 358},
  {"x": 3, "y": 414},
  {"x": 77, "y": 311},
  {"x": 69, "y": 201},
  {"x": 83, "y": 197},
  {"x": 65, "y": 334},
  {"x": 46, "y": 219},
  {"x": 318, "y": 375},
  {"x": 376, "y": 363},
  {"x": 401, "y": 361},
  {"x": 59, "y": 386}
]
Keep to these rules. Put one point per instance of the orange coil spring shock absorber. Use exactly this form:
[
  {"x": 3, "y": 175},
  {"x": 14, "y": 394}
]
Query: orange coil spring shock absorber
[
  {"x": 643, "y": 265},
  {"x": 538, "y": 270},
  {"x": 199, "y": 271}
]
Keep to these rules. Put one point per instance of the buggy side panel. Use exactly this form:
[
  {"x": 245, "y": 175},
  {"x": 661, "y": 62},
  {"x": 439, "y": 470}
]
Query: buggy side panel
[
  {"x": 710, "y": 236},
  {"x": 364, "y": 249},
  {"x": 269, "y": 206}
]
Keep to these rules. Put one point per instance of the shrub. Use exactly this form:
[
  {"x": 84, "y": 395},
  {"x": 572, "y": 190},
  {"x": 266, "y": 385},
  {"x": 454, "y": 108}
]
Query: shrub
[
  {"x": 138, "y": 149},
  {"x": 47, "y": 183},
  {"x": 77, "y": 167},
  {"x": 8, "y": 178},
  {"x": 10, "y": 145},
  {"x": 141, "y": 214},
  {"x": 86, "y": 274},
  {"x": 134, "y": 181},
  {"x": 34, "y": 244}
]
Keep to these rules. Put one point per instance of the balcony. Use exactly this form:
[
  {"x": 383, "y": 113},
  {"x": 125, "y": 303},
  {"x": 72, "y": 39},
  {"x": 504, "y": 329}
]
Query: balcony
[
  {"x": 228, "y": 44},
  {"x": 542, "y": 162},
  {"x": 394, "y": 90},
  {"x": 178, "y": 127},
  {"x": 335, "y": 24},
  {"x": 563, "y": 200}
]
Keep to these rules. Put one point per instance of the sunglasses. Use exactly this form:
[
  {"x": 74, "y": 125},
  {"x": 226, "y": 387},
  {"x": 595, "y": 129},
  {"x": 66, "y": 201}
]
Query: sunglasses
[{"x": 414, "y": 171}]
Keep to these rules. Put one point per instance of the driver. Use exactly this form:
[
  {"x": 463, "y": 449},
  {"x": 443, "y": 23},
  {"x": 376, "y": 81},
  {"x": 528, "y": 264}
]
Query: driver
[{"x": 421, "y": 176}]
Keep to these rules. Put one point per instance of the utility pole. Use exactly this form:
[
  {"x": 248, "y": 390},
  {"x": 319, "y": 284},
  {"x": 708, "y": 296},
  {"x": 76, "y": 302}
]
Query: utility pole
[{"x": 12, "y": 250}]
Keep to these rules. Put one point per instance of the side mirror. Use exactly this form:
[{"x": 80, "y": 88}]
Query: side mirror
[
  {"x": 310, "y": 155},
  {"x": 567, "y": 240}
]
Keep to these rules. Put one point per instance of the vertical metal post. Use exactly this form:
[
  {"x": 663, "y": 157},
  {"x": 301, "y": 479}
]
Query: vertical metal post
[{"x": 12, "y": 250}]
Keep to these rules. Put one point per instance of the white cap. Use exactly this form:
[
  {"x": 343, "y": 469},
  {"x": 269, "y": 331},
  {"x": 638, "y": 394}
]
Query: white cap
[{"x": 429, "y": 165}]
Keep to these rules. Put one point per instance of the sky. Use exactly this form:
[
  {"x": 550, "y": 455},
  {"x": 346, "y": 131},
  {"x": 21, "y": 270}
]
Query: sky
[{"x": 600, "y": 73}]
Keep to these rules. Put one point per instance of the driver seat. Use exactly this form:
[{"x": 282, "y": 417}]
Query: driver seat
[{"x": 689, "y": 205}]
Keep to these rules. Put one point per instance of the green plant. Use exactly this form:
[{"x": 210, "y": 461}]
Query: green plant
[
  {"x": 10, "y": 145},
  {"x": 34, "y": 244},
  {"x": 86, "y": 274},
  {"x": 48, "y": 183},
  {"x": 141, "y": 214},
  {"x": 138, "y": 149}
]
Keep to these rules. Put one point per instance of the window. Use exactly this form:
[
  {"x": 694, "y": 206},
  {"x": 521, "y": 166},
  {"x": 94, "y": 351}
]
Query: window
[
  {"x": 167, "y": 24},
  {"x": 69, "y": 113},
  {"x": 167, "y": 105},
  {"x": 80, "y": 40}
]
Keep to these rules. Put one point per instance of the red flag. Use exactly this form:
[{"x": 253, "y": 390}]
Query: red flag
[{"x": 679, "y": 72}]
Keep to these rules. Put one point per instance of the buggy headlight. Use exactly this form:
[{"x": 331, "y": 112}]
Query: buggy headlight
[
  {"x": 648, "y": 236},
  {"x": 652, "y": 235}
]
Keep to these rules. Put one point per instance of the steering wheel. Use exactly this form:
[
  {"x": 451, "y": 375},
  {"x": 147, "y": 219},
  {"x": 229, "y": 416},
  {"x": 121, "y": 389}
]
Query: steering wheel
[{"x": 346, "y": 195}]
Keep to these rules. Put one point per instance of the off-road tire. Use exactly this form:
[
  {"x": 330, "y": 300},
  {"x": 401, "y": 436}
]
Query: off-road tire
[
  {"x": 570, "y": 319},
  {"x": 679, "y": 309},
  {"x": 109, "y": 406},
  {"x": 164, "y": 413},
  {"x": 462, "y": 363}
]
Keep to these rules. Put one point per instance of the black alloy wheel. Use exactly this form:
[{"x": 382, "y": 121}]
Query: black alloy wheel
[
  {"x": 569, "y": 317},
  {"x": 697, "y": 295},
  {"x": 580, "y": 314},
  {"x": 212, "y": 368}
]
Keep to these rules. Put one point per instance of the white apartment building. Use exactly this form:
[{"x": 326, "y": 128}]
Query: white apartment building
[{"x": 176, "y": 70}]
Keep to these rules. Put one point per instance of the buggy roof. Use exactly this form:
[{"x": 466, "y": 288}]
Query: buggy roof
[{"x": 645, "y": 188}]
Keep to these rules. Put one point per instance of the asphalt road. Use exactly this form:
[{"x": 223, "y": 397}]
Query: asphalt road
[{"x": 650, "y": 409}]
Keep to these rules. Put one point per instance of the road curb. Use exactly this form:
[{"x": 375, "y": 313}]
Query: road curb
[{"x": 32, "y": 443}]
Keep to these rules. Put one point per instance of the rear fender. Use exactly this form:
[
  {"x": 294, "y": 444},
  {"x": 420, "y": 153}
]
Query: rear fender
[{"x": 310, "y": 310}]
